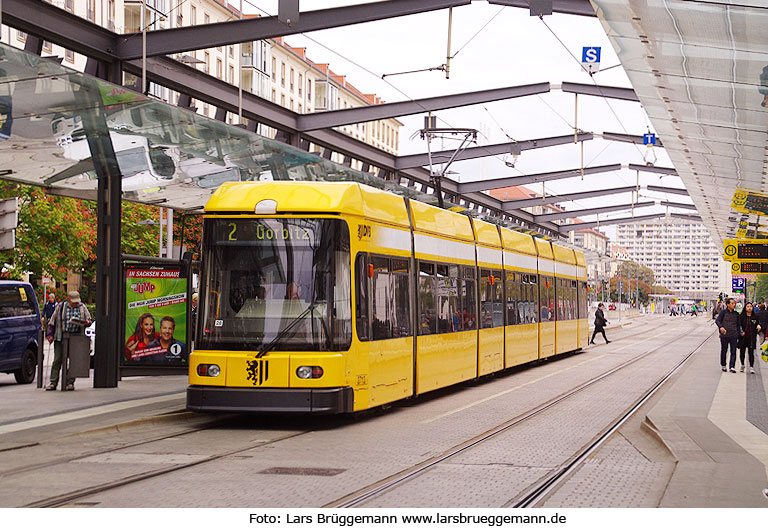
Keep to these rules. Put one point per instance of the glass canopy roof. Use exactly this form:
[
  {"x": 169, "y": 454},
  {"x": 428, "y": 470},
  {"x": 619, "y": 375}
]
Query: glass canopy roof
[
  {"x": 167, "y": 156},
  {"x": 700, "y": 70}
]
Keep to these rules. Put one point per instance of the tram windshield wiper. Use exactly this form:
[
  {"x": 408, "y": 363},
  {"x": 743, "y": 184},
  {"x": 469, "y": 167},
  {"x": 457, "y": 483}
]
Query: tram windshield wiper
[{"x": 283, "y": 332}]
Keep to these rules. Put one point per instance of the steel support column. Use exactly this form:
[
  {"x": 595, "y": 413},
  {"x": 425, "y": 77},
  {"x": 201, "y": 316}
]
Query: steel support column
[{"x": 108, "y": 267}]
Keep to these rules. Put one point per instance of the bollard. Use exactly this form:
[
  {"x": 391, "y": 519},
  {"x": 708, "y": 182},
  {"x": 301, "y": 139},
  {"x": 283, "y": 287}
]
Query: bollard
[
  {"x": 40, "y": 355},
  {"x": 64, "y": 361}
]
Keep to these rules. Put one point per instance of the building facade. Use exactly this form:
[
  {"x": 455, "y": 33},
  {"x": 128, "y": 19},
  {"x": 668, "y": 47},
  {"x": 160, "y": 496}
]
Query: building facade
[{"x": 680, "y": 253}]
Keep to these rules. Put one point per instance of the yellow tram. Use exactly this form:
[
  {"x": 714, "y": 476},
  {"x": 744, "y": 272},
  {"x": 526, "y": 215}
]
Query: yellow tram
[{"x": 325, "y": 297}]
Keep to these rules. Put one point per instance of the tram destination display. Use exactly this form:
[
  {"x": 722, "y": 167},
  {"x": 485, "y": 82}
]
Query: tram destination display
[{"x": 155, "y": 316}]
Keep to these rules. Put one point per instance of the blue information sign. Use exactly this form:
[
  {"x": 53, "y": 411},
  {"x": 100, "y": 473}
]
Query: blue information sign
[
  {"x": 649, "y": 139},
  {"x": 590, "y": 54},
  {"x": 737, "y": 285}
]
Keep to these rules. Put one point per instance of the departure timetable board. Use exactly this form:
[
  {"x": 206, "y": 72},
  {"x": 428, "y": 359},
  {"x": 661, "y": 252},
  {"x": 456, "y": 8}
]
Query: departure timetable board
[
  {"x": 745, "y": 249},
  {"x": 753, "y": 251},
  {"x": 754, "y": 267}
]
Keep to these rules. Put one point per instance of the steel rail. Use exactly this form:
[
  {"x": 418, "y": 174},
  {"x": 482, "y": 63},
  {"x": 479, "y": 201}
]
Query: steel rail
[
  {"x": 563, "y": 472},
  {"x": 418, "y": 469}
]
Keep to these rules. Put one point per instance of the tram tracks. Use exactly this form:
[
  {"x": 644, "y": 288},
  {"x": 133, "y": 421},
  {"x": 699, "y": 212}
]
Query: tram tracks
[
  {"x": 537, "y": 491},
  {"x": 82, "y": 493}
]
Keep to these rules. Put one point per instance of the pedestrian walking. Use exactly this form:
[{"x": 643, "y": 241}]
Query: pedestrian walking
[
  {"x": 600, "y": 322},
  {"x": 762, "y": 318},
  {"x": 728, "y": 323},
  {"x": 750, "y": 326},
  {"x": 70, "y": 317}
]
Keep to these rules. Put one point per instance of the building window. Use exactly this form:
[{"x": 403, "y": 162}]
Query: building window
[
  {"x": 90, "y": 10},
  {"x": 21, "y": 36},
  {"x": 207, "y": 62},
  {"x": 282, "y": 100},
  {"x": 69, "y": 5},
  {"x": 219, "y": 69},
  {"x": 179, "y": 15},
  {"x": 291, "y": 103},
  {"x": 274, "y": 69},
  {"x": 206, "y": 18},
  {"x": 282, "y": 75},
  {"x": 274, "y": 96},
  {"x": 231, "y": 50},
  {"x": 111, "y": 15},
  {"x": 301, "y": 83},
  {"x": 193, "y": 16},
  {"x": 292, "y": 77},
  {"x": 47, "y": 46},
  {"x": 309, "y": 90},
  {"x": 69, "y": 55},
  {"x": 300, "y": 109},
  {"x": 231, "y": 75}
]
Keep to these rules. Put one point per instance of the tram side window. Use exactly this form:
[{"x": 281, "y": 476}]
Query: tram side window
[
  {"x": 362, "y": 297},
  {"x": 491, "y": 296},
  {"x": 547, "y": 298},
  {"x": 533, "y": 298},
  {"x": 402, "y": 297},
  {"x": 583, "y": 302},
  {"x": 390, "y": 303},
  {"x": 427, "y": 312},
  {"x": 448, "y": 311},
  {"x": 574, "y": 300},
  {"x": 514, "y": 301},
  {"x": 468, "y": 300}
]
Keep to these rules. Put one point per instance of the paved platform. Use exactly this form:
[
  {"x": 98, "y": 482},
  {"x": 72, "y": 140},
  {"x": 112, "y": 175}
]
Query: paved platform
[
  {"x": 702, "y": 441},
  {"x": 715, "y": 424}
]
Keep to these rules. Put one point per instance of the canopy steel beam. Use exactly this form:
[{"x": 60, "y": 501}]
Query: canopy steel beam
[
  {"x": 605, "y": 222},
  {"x": 176, "y": 40},
  {"x": 591, "y": 211},
  {"x": 613, "y": 92},
  {"x": 686, "y": 216},
  {"x": 628, "y": 138},
  {"x": 678, "y": 205},
  {"x": 422, "y": 159},
  {"x": 662, "y": 189},
  {"x": 61, "y": 27},
  {"x": 538, "y": 177},
  {"x": 568, "y": 7},
  {"x": 552, "y": 199},
  {"x": 653, "y": 169},
  {"x": 335, "y": 118},
  {"x": 89, "y": 39}
]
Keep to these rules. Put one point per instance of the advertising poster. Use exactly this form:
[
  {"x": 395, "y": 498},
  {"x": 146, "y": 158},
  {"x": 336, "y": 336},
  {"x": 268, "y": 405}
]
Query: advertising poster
[{"x": 155, "y": 317}]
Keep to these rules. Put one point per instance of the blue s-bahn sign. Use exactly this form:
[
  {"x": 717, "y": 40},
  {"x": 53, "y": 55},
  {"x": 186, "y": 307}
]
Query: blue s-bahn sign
[{"x": 590, "y": 58}]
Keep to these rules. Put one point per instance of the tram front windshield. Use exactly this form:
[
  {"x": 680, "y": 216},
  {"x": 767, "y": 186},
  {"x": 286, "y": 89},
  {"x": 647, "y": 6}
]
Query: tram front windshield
[{"x": 286, "y": 279}]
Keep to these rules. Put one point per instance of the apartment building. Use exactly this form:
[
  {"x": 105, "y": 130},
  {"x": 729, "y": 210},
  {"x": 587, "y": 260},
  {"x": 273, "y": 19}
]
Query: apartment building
[
  {"x": 681, "y": 253},
  {"x": 271, "y": 69},
  {"x": 597, "y": 244}
]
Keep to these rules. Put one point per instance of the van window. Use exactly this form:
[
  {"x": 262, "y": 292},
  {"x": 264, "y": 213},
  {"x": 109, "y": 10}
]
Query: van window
[{"x": 15, "y": 301}]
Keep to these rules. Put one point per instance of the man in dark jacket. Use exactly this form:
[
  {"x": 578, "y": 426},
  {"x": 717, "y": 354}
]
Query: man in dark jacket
[
  {"x": 600, "y": 323},
  {"x": 730, "y": 330}
]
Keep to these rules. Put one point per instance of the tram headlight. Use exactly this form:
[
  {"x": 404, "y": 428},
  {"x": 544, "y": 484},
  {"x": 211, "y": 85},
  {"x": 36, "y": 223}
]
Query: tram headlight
[
  {"x": 208, "y": 370},
  {"x": 309, "y": 372}
]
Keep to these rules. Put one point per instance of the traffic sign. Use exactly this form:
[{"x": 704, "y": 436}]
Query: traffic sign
[
  {"x": 590, "y": 58},
  {"x": 737, "y": 284},
  {"x": 46, "y": 281},
  {"x": 649, "y": 139}
]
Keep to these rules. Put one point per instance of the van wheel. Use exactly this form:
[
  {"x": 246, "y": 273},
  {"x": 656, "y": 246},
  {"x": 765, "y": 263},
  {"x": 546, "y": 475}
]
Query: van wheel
[{"x": 26, "y": 374}]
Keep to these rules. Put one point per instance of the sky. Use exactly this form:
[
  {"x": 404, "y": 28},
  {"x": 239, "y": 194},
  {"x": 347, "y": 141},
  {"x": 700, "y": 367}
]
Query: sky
[{"x": 495, "y": 46}]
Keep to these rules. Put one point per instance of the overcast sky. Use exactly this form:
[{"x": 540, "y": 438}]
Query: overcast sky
[{"x": 513, "y": 49}]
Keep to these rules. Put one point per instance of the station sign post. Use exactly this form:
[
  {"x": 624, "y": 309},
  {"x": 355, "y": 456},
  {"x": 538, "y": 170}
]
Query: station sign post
[{"x": 590, "y": 59}]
